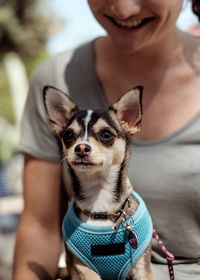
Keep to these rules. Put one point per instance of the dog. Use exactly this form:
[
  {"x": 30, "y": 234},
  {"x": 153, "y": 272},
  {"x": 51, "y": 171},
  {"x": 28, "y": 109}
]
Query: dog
[{"x": 107, "y": 229}]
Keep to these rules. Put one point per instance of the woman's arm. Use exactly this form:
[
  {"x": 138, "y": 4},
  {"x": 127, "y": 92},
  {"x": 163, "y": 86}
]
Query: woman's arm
[{"x": 38, "y": 244}]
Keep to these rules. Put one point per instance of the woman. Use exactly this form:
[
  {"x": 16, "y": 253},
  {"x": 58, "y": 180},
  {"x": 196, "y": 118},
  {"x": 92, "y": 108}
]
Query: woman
[{"x": 143, "y": 47}]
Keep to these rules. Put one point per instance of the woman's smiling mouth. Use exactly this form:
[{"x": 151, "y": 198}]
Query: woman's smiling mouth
[{"x": 130, "y": 23}]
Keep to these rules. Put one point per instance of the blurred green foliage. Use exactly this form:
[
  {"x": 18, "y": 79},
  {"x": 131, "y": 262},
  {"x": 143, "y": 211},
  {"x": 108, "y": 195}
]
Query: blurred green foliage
[
  {"x": 6, "y": 110},
  {"x": 6, "y": 106},
  {"x": 25, "y": 26},
  {"x": 24, "y": 29},
  {"x": 32, "y": 62}
]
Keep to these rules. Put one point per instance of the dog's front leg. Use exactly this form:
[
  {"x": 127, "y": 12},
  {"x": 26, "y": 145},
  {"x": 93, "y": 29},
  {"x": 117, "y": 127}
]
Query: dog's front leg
[
  {"x": 141, "y": 270},
  {"x": 77, "y": 270},
  {"x": 82, "y": 272}
]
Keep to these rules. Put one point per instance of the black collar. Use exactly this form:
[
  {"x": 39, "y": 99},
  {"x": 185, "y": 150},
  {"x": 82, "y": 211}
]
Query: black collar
[{"x": 116, "y": 217}]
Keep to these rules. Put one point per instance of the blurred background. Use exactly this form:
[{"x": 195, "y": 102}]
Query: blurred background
[{"x": 30, "y": 32}]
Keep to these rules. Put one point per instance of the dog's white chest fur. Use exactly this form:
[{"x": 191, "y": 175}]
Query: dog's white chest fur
[{"x": 98, "y": 190}]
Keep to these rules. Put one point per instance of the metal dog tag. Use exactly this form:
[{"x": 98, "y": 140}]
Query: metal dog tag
[{"x": 132, "y": 238}]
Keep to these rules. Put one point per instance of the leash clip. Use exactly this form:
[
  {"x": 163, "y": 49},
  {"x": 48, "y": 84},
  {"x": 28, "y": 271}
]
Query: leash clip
[{"x": 126, "y": 225}]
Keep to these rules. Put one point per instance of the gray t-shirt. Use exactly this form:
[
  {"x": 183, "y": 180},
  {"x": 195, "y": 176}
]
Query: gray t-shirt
[{"x": 165, "y": 172}]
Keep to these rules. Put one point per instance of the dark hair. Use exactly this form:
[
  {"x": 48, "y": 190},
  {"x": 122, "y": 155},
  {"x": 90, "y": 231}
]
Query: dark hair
[{"x": 196, "y": 7}]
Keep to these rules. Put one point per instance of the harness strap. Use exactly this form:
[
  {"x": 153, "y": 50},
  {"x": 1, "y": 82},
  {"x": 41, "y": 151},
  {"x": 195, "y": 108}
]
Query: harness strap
[{"x": 88, "y": 242}]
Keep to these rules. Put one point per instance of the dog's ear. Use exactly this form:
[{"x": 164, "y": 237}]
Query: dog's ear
[
  {"x": 128, "y": 110},
  {"x": 59, "y": 107}
]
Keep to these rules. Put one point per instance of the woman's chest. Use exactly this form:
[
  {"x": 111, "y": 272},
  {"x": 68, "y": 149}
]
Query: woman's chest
[{"x": 168, "y": 176}]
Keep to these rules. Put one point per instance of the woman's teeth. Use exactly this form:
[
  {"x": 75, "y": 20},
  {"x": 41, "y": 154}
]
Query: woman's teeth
[{"x": 128, "y": 24}]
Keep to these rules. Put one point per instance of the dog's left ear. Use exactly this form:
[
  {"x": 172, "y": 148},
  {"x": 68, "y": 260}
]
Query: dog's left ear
[
  {"x": 59, "y": 108},
  {"x": 128, "y": 110}
]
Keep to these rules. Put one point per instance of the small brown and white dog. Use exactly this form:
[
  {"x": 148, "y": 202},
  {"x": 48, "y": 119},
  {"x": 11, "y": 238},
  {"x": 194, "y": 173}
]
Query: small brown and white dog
[{"x": 95, "y": 145}]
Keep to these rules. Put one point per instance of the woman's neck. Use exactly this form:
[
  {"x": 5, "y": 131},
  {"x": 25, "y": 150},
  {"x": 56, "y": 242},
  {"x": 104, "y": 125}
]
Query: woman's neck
[
  {"x": 169, "y": 71},
  {"x": 152, "y": 58},
  {"x": 149, "y": 67}
]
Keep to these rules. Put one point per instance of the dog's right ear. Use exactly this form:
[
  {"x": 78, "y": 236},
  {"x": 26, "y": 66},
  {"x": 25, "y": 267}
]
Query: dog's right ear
[
  {"x": 59, "y": 107},
  {"x": 128, "y": 110}
]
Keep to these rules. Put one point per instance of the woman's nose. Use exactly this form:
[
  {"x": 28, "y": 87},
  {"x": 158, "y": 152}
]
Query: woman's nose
[{"x": 124, "y": 9}]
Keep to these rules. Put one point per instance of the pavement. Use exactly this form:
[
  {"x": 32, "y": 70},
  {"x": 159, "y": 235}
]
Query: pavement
[
  {"x": 11, "y": 205},
  {"x": 8, "y": 228}
]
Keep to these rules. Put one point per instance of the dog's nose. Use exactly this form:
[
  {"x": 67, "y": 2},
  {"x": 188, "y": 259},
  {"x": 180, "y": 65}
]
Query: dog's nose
[{"x": 82, "y": 150}]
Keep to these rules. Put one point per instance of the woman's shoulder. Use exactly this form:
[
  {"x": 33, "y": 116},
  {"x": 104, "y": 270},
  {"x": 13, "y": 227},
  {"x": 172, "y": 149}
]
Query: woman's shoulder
[
  {"x": 55, "y": 66},
  {"x": 48, "y": 68}
]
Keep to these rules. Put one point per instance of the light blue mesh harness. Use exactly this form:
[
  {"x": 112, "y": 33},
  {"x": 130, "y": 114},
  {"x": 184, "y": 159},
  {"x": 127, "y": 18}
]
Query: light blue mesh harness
[{"x": 80, "y": 237}]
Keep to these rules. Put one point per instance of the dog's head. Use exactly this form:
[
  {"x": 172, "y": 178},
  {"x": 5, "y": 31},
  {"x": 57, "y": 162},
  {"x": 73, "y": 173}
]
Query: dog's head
[{"x": 94, "y": 140}]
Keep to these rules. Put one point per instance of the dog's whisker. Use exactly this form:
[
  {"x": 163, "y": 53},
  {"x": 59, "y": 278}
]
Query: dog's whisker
[{"x": 62, "y": 159}]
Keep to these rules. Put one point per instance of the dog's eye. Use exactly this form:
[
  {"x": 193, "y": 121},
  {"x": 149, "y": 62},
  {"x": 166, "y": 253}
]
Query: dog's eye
[
  {"x": 106, "y": 134},
  {"x": 68, "y": 136},
  {"x": 68, "y": 133}
]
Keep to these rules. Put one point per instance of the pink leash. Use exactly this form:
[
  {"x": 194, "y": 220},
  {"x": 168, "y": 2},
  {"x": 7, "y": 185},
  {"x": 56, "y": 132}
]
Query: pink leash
[{"x": 169, "y": 256}]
